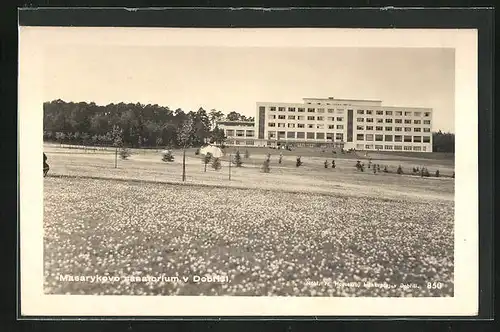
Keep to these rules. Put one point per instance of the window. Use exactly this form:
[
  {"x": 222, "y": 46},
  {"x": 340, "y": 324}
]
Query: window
[
  {"x": 249, "y": 133},
  {"x": 388, "y": 128},
  {"x": 417, "y": 148},
  {"x": 417, "y": 114},
  {"x": 301, "y": 117},
  {"x": 369, "y": 137},
  {"x": 407, "y": 121},
  {"x": 388, "y": 112},
  {"x": 281, "y": 117},
  {"x": 407, "y": 139},
  {"x": 369, "y": 119},
  {"x": 300, "y": 134},
  {"x": 379, "y": 147},
  {"x": 290, "y": 134},
  {"x": 427, "y": 114},
  {"x": 310, "y": 118},
  {"x": 407, "y": 113},
  {"x": 339, "y": 136},
  {"x": 281, "y": 125},
  {"x": 301, "y": 110},
  {"x": 380, "y": 120},
  {"x": 331, "y": 126},
  {"x": 388, "y": 138},
  {"x": 417, "y": 139},
  {"x": 379, "y": 138},
  {"x": 230, "y": 132},
  {"x": 321, "y": 110},
  {"x": 331, "y": 110},
  {"x": 292, "y": 109},
  {"x": 301, "y": 125},
  {"x": 407, "y": 148},
  {"x": 359, "y": 146},
  {"x": 360, "y": 128},
  {"x": 407, "y": 129},
  {"x": 417, "y": 121},
  {"x": 237, "y": 142},
  {"x": 398, "y": 129},
  {"x": 360, "y": 137},
  {"x": 369, "y": 112},
  {"x": 321, "y": 118},
  {"x": 271, "y": 134},
  {"x": 320, "y": 126},
  {"x": 360, "y": 119},
  {"x": 272, "y": 109},
  {"x": 380, "y": 112},
  {"x": 399, "y": 113},
  {"x": 427, "y": 122},
  {"x": 340, "y": 126},
  {"x": 369, "y": 127},
  {"x": 388, "y": 147},
  {"x": 310, "y": 126},
  {"x": 368, "y": 146},
  {"x": 360, "y": 112},
  {"x": 250, "y": 143},
  {"x": 398, "y": 147},
  {"x": 340, "y": 111},
  {"x": 310, "y": 135},
  {"x": 291, "y": 125},
  {"x": 340, "y": 119},
  {"x": 398, "y": 121},
  {"x": 426, "y": 139},
  {"x": 417, "y": 130},
  {"x": 291, "y": 117},
  {"x": 427, "y": 130},
  {"x": 331, "y": 118},
  {"x": 320, "y": 135},
  {"x": 272, "y": 116},
  {"x": 329, "y": 136},
  {"x": 281, "y": 109},
  {"x": 379, "y": 128},
  {"x": 388, "y": 120},
  {"x": 311, "y": 110},
  {"x": 398, "y": 138}
]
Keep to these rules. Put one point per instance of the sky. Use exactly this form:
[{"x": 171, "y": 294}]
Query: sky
[{"x": 236, "y": 78}]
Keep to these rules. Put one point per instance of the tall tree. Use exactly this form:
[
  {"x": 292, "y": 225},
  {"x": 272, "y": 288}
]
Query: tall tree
[{"x": 184, "y": 140}]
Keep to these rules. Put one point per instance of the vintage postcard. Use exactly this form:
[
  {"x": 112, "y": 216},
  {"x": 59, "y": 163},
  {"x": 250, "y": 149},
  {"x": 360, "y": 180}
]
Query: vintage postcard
[{"x": 233, "y": 172}]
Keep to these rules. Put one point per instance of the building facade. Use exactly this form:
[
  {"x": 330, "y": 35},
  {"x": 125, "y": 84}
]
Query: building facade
[{"x": 351, "y": 124}]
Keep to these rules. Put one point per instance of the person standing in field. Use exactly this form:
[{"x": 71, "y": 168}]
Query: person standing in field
[{"x": 45, "y": 165}]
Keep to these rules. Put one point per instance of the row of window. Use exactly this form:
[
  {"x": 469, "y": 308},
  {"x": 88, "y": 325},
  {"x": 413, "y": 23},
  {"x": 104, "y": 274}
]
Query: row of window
[
  {"x": 368, "y": 128},
  {"x": 303, "y": 125},
  {"x": 305, "y": 135},
  {"x": 240, "y": 133},
  {"x": 332, "y": 118},
  {"x": 341, "y": 111},
  {"x": 406, "y": 129},
  {"x": 393, "y": 138},
  {"x": 391, "y": 147}
]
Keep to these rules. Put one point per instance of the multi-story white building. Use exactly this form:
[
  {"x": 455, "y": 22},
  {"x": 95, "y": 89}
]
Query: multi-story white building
[
  {"x": 238, "y": 132},
  {"x": 352, "y": 124}
]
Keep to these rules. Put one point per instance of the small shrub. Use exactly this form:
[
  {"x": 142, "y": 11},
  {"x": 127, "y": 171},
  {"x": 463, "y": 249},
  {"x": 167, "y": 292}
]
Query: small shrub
[
  {"x": 400, "y": 170},
  {"x": 124, "y": 153},
  {"x": 333, "y": 164},
  {"x": 298, "y": 163},
  {"x": 216, "y": 164},
  {"x": 197, "y": 152},
  {"x": 326, "y": 163},
  {"x": 168, "y": 157},
  {"x": 374, "y": 170},
  {"x": 265, "y": 166},
  {"x": 386, "y": 170},
  {"x": 437, "y": 173},
  {"x": 237, "y": 159}
]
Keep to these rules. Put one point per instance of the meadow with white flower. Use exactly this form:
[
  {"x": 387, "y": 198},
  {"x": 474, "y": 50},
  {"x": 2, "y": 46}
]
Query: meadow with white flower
[{"x": 280, "y": 233}]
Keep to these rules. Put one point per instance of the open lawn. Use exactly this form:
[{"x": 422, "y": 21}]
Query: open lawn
[{"x": 294, "y": 231}]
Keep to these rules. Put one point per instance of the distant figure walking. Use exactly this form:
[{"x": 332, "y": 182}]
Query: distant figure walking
[
  {"x": 280, "y": 158},
  {"x": 45, "y": 165}
]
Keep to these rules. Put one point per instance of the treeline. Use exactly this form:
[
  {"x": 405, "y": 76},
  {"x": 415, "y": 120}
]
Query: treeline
[
  {"x": 443, "y": 142},
  {"x": 139, "y": 125}
]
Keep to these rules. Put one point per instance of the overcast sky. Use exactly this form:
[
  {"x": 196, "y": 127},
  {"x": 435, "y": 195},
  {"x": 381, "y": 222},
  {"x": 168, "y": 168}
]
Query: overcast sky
[{"x": 235, "y": 78}]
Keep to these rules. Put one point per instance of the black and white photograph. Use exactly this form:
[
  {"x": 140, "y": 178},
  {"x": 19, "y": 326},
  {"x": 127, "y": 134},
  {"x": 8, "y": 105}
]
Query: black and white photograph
[{"x": 251, "y": 164}]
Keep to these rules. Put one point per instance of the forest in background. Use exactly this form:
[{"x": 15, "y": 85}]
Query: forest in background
[{"x": 149, "y": 125}]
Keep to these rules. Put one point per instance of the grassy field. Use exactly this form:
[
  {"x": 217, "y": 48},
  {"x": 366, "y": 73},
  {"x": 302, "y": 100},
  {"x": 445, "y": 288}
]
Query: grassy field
[{"x": 292, "y": 232}]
